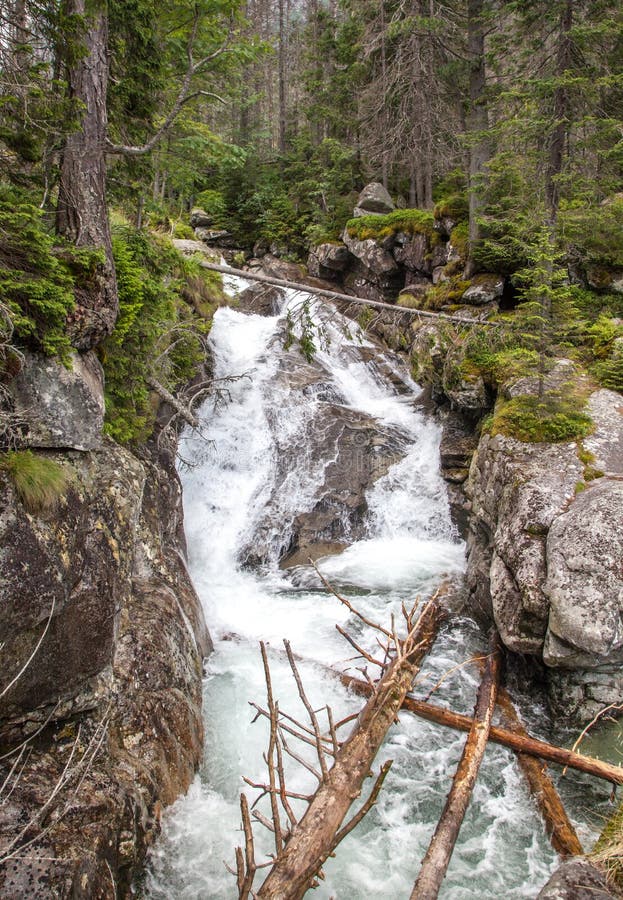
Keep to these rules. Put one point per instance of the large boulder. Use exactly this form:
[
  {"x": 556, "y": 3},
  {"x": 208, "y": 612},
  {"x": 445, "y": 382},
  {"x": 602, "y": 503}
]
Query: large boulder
[
  {"x": 60, "y": 407},
  {"x": 371, "y": 254},
  {"x": 374, "y": 198},
  {"x": 328, "y": 260},
  {"x": 420, "y": 252},
  {"x": 199, "y": 218},
  {"x": 484, "y": 289},
  {"x": 578, "y": 879},
  {"x": 544, "y": 554},
  {"x": 585, "y": 581}
]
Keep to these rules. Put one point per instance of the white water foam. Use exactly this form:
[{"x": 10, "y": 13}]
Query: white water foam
[{"x": 411, "y": 546}]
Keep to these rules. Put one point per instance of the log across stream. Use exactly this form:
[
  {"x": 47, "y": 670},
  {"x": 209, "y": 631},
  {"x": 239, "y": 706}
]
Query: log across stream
[{"x": 252, "y": 473}]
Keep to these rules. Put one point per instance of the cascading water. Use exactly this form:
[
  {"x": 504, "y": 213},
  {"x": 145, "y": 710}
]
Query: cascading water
[{"x": 253, "y": 470}]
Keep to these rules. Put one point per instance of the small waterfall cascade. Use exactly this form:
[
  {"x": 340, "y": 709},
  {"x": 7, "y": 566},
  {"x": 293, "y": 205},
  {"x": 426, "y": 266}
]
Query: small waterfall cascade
[{"x": 285, "y": 431}]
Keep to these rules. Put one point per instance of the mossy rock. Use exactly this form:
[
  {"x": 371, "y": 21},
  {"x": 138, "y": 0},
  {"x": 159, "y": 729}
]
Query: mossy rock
[
  {"x": 376, "y": 227},
  {"x": 547, "y": 419}
]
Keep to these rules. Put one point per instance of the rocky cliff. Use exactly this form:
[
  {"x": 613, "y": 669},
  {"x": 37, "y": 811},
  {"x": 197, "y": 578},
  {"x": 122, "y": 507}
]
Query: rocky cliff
[{"x": 102, "y": 638}]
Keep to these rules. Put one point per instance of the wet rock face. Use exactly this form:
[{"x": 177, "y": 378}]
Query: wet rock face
[
  {"x": 117, "y": 675},
  {"x": 359, "y": 450},
  {"x": 544, "y": 556}
]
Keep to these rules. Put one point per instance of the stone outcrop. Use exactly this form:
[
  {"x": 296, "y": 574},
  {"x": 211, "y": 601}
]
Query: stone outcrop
[
  {"x": 97, "y": 592},
  {"x": 544, "y": 552},
  {"x": 578, "y": 879},
  {"x": 60, "y": 406}
]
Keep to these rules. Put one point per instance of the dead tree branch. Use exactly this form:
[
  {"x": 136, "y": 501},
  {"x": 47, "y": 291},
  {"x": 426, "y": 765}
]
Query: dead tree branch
[{"x": 437, "y": 858}]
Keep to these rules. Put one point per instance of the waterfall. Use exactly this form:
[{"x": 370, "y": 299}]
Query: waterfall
[{"x": 250, "y": 477}]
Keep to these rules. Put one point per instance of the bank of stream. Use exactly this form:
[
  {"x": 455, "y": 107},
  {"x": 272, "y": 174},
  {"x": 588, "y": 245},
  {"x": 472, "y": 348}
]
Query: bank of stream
[{"x": 251, "y": 471}]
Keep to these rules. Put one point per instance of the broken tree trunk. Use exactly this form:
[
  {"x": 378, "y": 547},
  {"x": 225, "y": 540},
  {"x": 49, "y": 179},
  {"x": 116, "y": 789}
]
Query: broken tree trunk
[
  {"x": 318, "y": 833},
  {"x": 435, "y": 863},
  {"x": 503, "y": 736},
  {"x": 336, "y": 295},
  {"x": 559, "y": 829}
]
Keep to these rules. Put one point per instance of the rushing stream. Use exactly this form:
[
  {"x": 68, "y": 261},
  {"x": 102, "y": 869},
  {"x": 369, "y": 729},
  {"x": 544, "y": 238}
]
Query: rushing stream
[{"x": 250, "y": 473}]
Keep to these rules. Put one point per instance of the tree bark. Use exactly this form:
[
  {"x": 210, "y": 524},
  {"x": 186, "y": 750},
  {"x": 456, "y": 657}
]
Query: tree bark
[
  {"x": 559, "y": 829},
  {"x": 344, "y": 298},
  {"x": 497, "y": 735},
  {"x": 283, "y": 118},
  {"x": 561, "y": 112},
  {"x": 477, "y": 120},
  {"x": 82, "y": 213},
  {"x": 315, "y": 837},
  {"x": 435, "y": 864}
]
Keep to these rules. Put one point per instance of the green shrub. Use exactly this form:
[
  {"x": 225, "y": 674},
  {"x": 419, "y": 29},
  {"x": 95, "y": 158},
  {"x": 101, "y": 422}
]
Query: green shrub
[
  {"x": 38, "y": 275},
  {"x": 166, "y": 302},
  {"x": 453, "y": 206},
  {"x": 535, "y": 419},
  {"x": 183, "y": 232},
  {"x": 39, "y": 481},
  {"x": 409, "y": 221}
]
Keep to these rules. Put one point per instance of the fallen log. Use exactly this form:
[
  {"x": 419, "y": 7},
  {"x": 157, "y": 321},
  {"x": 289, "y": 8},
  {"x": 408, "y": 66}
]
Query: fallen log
[
  {"x": 317, "y": 834},
  {"x": 497, "y": 735},
  {"x": 437, "y": 858},
  {"x": 559, "y": 829},
  {"x": 336, "y": 295}
]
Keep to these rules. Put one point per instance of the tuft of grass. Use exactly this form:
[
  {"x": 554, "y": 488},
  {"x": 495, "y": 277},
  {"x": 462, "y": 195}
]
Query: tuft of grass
[
  {"x": 409, "y": 221},
  {"x": 39, "y": 481},
  {"x": 541, "y": 419}
]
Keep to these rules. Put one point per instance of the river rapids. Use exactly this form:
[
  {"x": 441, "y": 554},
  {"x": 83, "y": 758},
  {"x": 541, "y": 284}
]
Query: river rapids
[{"x": 250, "y": 475}]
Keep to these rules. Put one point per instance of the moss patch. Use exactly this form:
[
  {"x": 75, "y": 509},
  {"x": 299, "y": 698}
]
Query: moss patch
[
  {"x": 409, "y": 221},
  {"x": 541, "y": 419}
]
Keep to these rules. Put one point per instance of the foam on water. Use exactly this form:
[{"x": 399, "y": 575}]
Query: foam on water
[{"x": 411, "y": 546}]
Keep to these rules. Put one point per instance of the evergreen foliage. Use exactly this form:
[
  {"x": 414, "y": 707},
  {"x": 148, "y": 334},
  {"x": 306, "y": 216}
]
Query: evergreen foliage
[{"x": 166, "y": 302}]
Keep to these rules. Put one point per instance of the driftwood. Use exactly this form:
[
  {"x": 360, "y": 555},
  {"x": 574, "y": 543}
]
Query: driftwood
[
  {"x": 497, "y": 735},
  {"x": 336, "y": 295},
  {"x": 302, "y": 847},
  {"x": 437, "y": 858},
  {"x": 559, "y": 829}
]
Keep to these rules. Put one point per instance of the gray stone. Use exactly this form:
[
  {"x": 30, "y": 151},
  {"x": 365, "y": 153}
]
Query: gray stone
[
  {"x": 327, "y": 260},
  {"x": 374, "y": 199},
  {"x": 577, "y": 879},
  {"x": 371, "y": 254},
  {"x": 584, "y": 579},
  {"x": 260, "y": 299},
  {"x": 559, "y": 380},
  {"x": 62, "y": 407},
  {"x": 189, "y": 248},
  {"x": 484, "y": 289},
  {"x": 199, "y": 218},
  {"x": 606, "y": 442}
]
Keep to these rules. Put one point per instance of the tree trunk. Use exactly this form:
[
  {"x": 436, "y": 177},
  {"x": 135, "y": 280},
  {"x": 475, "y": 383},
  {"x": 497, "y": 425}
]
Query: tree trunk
[
  {"x": 561, "y": 113},
  {"x": 559, "y": 829},
  {"x": 282, "y": 78},
  {"x": 477, "y": 121},
  {"x": 438, "y": 856},
  {"x": 497, "y": 735},
  {"x": 313, "y": 839},
  {"x": 82, "y": 214}
]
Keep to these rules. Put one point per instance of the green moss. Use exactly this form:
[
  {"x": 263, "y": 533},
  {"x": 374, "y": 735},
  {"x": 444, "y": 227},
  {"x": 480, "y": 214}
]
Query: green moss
[
  {"x": 445, "y": 293},
  {"x": 39, "y": 481},
  {"x": 410, "y": 301},
  {"x": 459, "y": 238},
  {"x": 409, "y": 221},
  {"x": 535, "y": 419}
]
